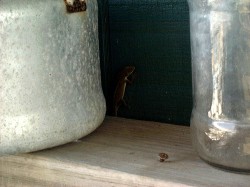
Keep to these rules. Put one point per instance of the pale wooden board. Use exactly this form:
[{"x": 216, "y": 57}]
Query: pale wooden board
[{"x": 122, "y": 152}]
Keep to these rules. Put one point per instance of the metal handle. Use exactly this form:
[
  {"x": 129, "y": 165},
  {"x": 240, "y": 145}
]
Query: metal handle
[{"x": 73, "y": 6}]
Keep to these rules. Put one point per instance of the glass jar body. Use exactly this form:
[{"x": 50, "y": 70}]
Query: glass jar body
[{"x": 220, "y": 44}]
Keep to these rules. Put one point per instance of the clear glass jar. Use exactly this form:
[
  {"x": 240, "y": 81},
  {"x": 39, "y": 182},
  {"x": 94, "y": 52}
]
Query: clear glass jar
[{"x": 220, "y": 44}]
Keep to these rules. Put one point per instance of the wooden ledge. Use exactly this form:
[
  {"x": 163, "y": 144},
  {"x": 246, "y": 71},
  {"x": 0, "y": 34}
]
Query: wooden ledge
[{"x": 122, "y": 152}]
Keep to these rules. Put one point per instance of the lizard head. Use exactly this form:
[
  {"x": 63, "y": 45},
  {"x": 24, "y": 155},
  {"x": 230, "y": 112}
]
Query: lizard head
[
  {"x": 128, "y": 70},
  {"x": 125, "y": 72}
]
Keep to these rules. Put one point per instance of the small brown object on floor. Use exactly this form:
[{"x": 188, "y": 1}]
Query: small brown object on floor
[{"x": 163, "y": 157}]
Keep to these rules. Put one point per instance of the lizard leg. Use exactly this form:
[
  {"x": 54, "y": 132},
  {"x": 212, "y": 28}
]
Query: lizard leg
[
  {"x": 116, "y": 107},
  {"x": 125, "y": 104},
  {"x": 131, "y": 78}
]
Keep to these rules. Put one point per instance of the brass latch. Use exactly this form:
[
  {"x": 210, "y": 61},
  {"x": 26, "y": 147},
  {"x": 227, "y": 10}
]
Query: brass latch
[{"x": 75, "y": 5}]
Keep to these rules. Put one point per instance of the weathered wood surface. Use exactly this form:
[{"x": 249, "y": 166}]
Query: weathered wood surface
[{"x": 122, "y": 152}]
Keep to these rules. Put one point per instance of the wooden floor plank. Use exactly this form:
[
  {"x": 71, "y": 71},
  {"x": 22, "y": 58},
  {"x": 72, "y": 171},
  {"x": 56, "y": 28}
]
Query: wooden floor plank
[{"x": 121, "y": 152}]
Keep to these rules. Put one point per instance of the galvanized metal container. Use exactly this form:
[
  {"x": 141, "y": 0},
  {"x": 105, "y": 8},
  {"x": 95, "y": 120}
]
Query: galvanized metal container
[{"x": 50, "y": 85}]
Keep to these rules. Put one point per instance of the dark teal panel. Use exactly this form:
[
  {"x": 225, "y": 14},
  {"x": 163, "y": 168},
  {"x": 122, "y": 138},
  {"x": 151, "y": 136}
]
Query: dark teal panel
[
  {"x": 103, "y": 27},
  {"x": 153, "y": 35}
]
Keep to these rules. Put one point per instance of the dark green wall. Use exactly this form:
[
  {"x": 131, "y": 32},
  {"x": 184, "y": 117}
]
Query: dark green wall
[
  {"x": 152, "y": 35},
  {"x": 103, "y": 27}
]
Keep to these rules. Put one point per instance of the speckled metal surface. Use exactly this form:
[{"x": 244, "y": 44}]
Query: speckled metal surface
[{"x": 50, "y": 85}]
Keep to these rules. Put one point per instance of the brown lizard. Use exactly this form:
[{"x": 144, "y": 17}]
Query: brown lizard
[{"x": 121, "y": 87}]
